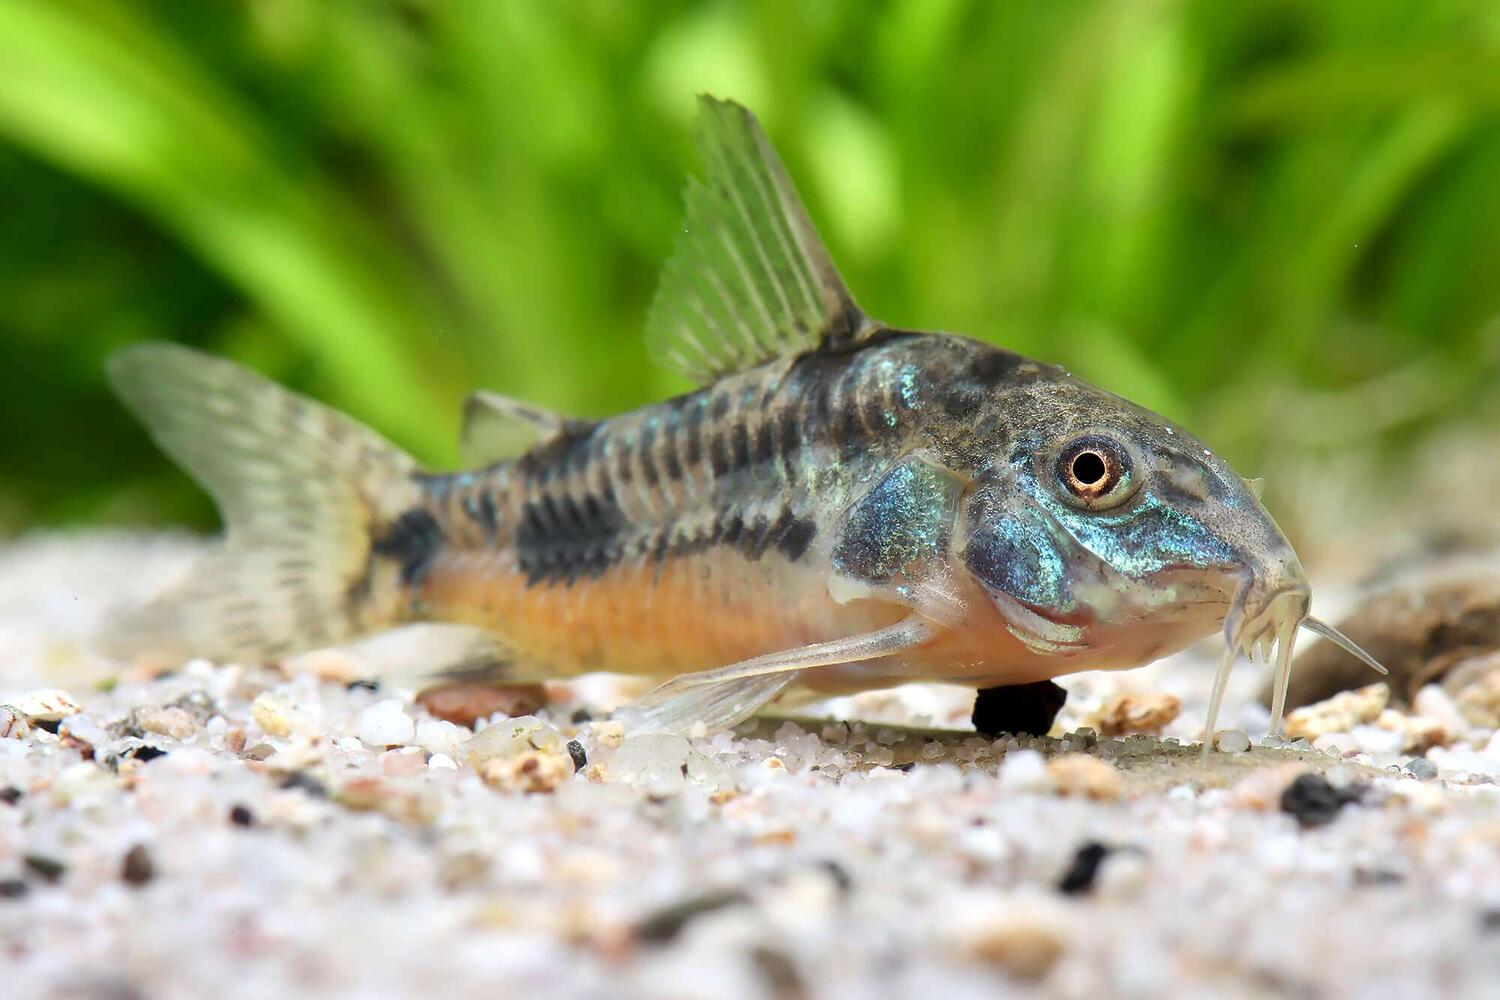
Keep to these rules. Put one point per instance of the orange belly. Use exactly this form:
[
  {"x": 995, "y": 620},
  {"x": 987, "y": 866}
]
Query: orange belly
[{"x": 661, "y": 618}]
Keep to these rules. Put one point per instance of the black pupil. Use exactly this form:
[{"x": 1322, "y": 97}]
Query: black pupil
[{"x": 1088, "y": 468}]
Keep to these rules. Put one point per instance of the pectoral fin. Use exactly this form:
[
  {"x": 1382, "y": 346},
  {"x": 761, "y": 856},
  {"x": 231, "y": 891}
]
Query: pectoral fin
[{"x": 720, "y": 698}]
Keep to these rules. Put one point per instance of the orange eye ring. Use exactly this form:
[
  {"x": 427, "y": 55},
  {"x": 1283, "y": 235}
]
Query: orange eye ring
[{"x": 1094, "y": 472}]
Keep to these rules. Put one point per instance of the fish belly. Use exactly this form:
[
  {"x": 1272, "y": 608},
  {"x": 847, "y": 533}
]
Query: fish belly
[{"x": 646, "y": 616}]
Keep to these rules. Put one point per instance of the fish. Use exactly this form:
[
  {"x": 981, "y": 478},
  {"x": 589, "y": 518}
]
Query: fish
[{"x": 841, "y": 505}]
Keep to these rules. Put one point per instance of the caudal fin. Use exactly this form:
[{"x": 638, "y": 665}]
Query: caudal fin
[{"x": 320, "y": 514}]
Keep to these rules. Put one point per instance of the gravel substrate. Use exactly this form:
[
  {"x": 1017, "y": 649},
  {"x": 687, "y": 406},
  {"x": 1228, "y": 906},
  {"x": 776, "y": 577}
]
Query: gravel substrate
[{"x": 229, "y": 831}]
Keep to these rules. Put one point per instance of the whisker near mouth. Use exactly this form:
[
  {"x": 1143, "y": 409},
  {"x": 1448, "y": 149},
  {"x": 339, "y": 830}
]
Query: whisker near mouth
[
  {"x": 1275, "y": 626},
  {"x": 1319, "y": 627},
  {"x": 1272, "y": 625}
]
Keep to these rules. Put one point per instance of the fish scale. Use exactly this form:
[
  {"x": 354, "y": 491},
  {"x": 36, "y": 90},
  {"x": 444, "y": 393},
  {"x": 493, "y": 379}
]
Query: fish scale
[{"x": 840, "y": 505}]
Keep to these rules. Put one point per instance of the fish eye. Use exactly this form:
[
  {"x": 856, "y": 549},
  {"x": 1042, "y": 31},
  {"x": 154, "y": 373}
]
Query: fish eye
[{"x": 1095, "y": 473}]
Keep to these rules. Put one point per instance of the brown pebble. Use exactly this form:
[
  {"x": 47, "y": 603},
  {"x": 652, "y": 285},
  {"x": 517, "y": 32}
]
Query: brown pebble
[
  {"x": 234, "y": 741},
  {"x": 1338, "y": 714},
  {"x": 261, "y": 751},
  {"x": 13, "y": 724},
  {"x": 137, "y": 868},
  {"x": 531, "y": 772},
  {"x": 1023, "y": 944},
  {"x": 1080, "y": 774},
  {"x": 1137, "y": 713},
  {"x": 50, "y": 870},
  {"x": 464, "y": 704},
  {"x": 164, "y": 720}
]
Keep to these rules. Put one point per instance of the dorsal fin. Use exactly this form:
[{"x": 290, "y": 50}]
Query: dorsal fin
[
  {"x": 496, "y": 427},
  {"x": 748, "y": 280}
]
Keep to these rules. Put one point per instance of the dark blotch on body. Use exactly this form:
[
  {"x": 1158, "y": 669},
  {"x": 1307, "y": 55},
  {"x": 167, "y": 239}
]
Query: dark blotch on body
[
  {"x": 563, "y": 540},
  {"x": 413, "y": 542}
]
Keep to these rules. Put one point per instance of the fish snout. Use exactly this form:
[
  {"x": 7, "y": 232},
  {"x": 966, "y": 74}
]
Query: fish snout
[{"x": 1273, "y": 596}]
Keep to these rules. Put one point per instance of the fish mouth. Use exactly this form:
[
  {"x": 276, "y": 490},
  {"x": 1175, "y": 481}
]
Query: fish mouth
[{"x": 1265, "y": 618}]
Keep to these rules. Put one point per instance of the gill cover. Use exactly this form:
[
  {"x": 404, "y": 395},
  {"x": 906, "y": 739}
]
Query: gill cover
[{"x": 1027, "y": 565}]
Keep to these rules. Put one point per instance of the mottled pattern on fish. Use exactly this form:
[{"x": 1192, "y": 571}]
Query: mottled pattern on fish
[
  {"x": 841, "y": 505},
  {"x": 717, "y": 497}
]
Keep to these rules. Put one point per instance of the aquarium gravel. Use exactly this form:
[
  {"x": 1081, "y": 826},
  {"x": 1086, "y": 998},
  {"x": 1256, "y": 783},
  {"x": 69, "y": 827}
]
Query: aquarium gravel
[{"x": 230, "y": 831}]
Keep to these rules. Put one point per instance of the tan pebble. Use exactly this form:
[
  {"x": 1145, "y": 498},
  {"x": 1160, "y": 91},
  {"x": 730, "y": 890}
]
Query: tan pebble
[
  {"x": 1338, "y": 714},
  {"x": 1080, "y": 774},
  {"x": 594, "y": 773},
  {"x": 777, "y": 837},
  {"x": 1418, "y": 733},
  {"x": 774, "y": 764},
  {"x": 1432, "y": 702},
  {"x": 1021, "y": 944},
  {"x": 330, "y": 665},
  {"x": 724, "y": 795},
  {"x": 13, "y": 723},
  {"x": 50, "y": 705},
  {"x": 609, "y": 734},
  {"x": 1137, "y": 713},
  {"x": 464, "y": 704},
  {"x": 403, "y": 762},
  {"x": 165, "y": 720},
  {"x": 1479, "y": 701},
  {"x": 270, "y": 713},
  {"x": 260, "y": 751},
  {"x": 1261, "y": 789},
  {"x": 398, "y": 801},
  {"x": 529, "y": 772}
]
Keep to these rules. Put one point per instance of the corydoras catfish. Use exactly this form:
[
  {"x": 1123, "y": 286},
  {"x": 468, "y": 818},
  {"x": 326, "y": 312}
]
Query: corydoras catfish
[{"x": 841, "y": 506}]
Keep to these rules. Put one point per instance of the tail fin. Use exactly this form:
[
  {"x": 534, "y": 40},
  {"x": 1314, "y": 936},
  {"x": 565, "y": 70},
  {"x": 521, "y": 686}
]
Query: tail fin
[{"x": 318, "y": 513}]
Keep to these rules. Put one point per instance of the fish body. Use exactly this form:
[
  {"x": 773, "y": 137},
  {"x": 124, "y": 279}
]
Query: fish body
[
  {"x": 840, "y": 506},
  {"x": 752, "y": 516}
]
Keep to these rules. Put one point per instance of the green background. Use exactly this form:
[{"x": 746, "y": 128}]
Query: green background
[{"x": 1276, "y": 222}]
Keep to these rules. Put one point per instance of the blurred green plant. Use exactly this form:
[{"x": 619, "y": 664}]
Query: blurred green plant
[{"x": 1276, "y": 221}]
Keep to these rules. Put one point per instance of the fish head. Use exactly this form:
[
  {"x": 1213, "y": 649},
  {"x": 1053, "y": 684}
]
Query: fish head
[{"x": 1107, "y": 534}]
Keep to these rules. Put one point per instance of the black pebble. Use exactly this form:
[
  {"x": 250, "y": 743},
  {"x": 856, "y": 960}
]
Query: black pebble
[
  {"x": 1024, "y": 709},
  {"x": 1489, "y": 920},
  {"x": 1313, "y": 801},
  {"x": 362, "y": 685},
  {"x": 1085, "y": 868},
  {"x": 580, "y": 757},
  {"x": 137, "y": 868},
  {"x": 144, "y": 754},
  {"x": 840, "y": 875},
  {"x": 665, "y": 924},
  {"x": 304, "y": 782},
  {"x": 10, "y": 795},
  {"x": 240, "y": 815},
  {"x": 13, "y": 888},
  {"x": 581, "y": 716},
  {"x": 48, "y": 869},
  {"x": 904, "y": 767},
  {"x": 50, "y": 725}
]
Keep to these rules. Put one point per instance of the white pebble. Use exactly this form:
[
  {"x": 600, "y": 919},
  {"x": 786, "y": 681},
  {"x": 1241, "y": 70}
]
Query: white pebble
[
  {"x": 442, "y": 762},
  {"x": 50, "y": 705},
  {"x": 1375, "y": 740},
  {"x": 1234, "y": 740},
  {"x": 1434, "y": 703},
  {"x": 1459, "y": 762},
  {"x": 653, "y": 761},
  {"x": 438, "y": 736},
  {"x": 385, "y": 724},
  {"x": 1024, "y": 771}
]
